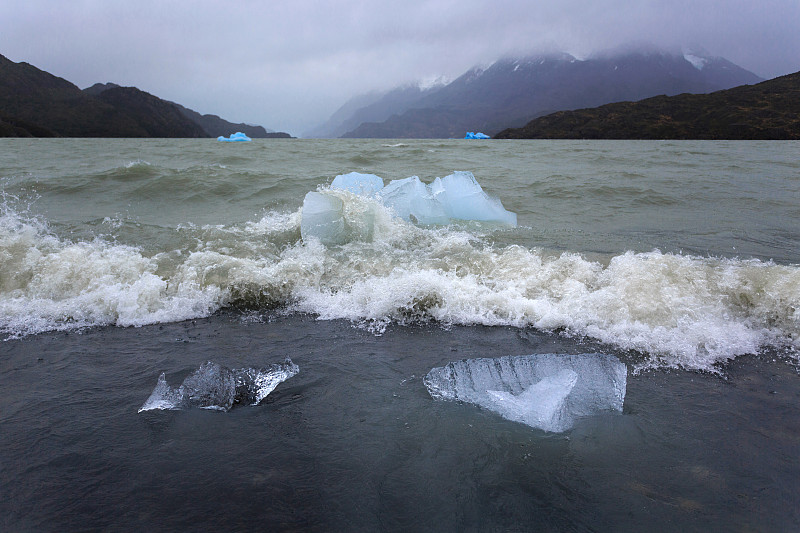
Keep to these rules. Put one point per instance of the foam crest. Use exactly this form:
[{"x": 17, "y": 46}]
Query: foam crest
[
  {"x": 53, "y": 284},
  {"x": 681, "y": 311},
  {"x": 684, "y": 311}
]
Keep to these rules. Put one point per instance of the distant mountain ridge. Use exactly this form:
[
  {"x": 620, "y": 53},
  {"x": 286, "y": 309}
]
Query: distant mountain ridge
[
  {"x": 767, "y": 110},
  {"x": 511, "y": 92},
  {"x": 373, "y": 107},
  {"x": 34, "y": 103}
]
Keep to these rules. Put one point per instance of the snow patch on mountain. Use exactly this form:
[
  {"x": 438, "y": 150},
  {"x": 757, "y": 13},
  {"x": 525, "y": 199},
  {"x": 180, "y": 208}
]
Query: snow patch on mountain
[
  {"x": 433, "y": 82},
  {"x": 696, "y": 61}
]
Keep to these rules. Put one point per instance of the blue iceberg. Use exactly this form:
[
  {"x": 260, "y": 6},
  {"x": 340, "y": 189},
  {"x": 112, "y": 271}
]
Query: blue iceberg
[
  {"x": 454, "y": 197},
  {"x": 357, "y": 183},
  {"x": 457, "y": 197},
  {"x": 412, "y": 200},
  {"x": 323, "y": 217},
  {"x": 478, "y": 135},
  {"x": 464, "y": 199},
  {"x": 235, "y": 137}
]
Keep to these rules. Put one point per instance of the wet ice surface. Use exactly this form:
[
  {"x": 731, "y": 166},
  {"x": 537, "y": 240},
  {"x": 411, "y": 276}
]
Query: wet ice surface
[
  {"x": 217, "y": 387},
  {"x": 456, "y": 197},
  {"x": 545, "y": 391}
]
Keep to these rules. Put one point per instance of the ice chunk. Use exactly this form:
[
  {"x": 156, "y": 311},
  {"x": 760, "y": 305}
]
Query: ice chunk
[
  {"x": 323, "y": 217},
  {"x": 546, "y": 391},
  {"x": 212, "y": 386},
  {"x": 464, "y": 199},
  {"x": 216, "y": 387},
  {"x": 455, "y": 197},
  {"x": 412, "y": 200},
  {"x": 478, "y": 135},
  {"x": 541, "y": 405},
  {"x": 253, "y": 385},
  {"x": 235, "y": 137},
  {"x": 357, "y": 183}
]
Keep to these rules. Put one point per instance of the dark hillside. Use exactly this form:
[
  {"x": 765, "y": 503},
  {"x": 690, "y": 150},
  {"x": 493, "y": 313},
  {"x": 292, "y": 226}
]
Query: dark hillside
[
  {"x": 34, "y": 103},
  {"x": 767, "y": 110},
  {"x": 157, "y": 117},
  {"x": 34, "y": 97}
]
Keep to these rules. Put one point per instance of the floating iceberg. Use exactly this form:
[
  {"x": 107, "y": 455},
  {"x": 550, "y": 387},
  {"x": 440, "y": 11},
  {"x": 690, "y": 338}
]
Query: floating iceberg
[
  {"x": 454, "y": 197},
  {"x": 412, "y": 200},
  {"x": 357, "y": 183},
  {"x": 478, "y": 135},
  {"x": 235, "y": 137},
  {"x": 323, "y": 217},
  {"x": 545, "y": 391},
  {"x": 216, "y": 387},
  {"x": 464, "y": 199}
]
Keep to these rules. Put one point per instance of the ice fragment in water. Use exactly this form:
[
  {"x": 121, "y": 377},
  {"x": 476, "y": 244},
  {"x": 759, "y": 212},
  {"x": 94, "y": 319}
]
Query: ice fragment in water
[
  {"x": 323, "y": 217},
  {"x": 545, "y": 391},
  {"x": 357, "y": 183},
  {"x": 235, "y": 137},
  {"x": 476, "y": 135},
  {"x": 214, "y": 386},
  {"x": 455, "y": 197},
  {"x": 463, "y": 198},
  {"x": 412, "y": 200}
]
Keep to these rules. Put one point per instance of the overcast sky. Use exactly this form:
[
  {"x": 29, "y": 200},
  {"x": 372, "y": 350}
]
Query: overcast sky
[{"x": 287, "y": 65}]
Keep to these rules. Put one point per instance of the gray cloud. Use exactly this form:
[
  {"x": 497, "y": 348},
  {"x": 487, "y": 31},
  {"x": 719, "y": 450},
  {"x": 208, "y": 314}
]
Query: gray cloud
[{"x": 287, "y": 65}]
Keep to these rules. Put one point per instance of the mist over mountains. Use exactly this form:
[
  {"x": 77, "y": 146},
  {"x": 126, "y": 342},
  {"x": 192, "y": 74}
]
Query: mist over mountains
[
  {"x": 508, "y": 93},
  {"x": 513, "y": 91}
]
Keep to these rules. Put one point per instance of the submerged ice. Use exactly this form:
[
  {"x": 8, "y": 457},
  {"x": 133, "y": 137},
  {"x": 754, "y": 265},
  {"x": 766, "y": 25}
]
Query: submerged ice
[
  {"x": 217, "y": 387},
  {"x": 545, "y": 391},
  {"x": 454, "y": 197}
]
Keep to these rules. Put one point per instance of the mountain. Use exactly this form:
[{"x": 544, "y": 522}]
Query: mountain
[
  {"x": 42, "y": 101},
  {"x": 157, "y": 117},
  {"x": 511, "y": 92},
  {"x": 372, "y": 107},
  {"x": 212, "y": 125},
  {"x": 98, "y": 88},
  {"x": 768, "y": 110},
  {"x": 216, "y": 126},
  {"x": 34, "y": 103}
]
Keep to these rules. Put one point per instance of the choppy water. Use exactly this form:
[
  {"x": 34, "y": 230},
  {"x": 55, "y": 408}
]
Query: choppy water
[
  {"x": 686, "y": 252},
  {"x": 678, "y": 256}
]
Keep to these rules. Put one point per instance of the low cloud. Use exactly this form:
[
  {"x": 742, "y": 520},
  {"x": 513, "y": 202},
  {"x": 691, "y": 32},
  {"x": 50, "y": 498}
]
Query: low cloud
[{"x": 288, "y": 65}]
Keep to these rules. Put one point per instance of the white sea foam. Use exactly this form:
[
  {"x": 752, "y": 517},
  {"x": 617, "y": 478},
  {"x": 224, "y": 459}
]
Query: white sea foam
[
  {"x": 137, "y": 163},
  {"x": 682, "y": 311},
  {"x": 53, "y": 284}
]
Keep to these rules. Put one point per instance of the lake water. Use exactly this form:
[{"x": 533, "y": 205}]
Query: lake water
[{"x": 123, "y": 259}]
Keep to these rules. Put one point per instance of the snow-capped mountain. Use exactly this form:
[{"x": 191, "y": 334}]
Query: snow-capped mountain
[{"x": 512, "y": 91}]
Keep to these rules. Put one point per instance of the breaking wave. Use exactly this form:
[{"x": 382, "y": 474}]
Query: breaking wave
[{"x": 680, "y": 310}]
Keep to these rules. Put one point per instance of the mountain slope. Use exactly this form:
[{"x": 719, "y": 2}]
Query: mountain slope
[
  {"x": 212, "y": 125},
  {"x": 157, "y": 117},
  {"x": 373, "y": 107},
  {"x": 768, "y": 110},
  {"x": 40, "y": 99},
  {"x": 512, "y": 91},
  {"x": 36, "y": 103}
]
